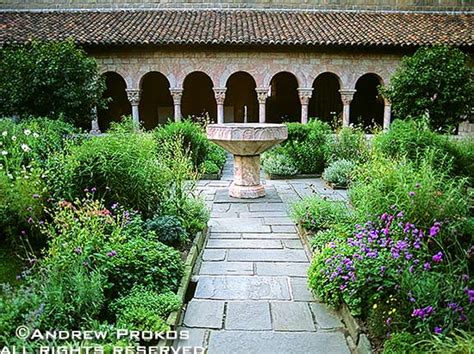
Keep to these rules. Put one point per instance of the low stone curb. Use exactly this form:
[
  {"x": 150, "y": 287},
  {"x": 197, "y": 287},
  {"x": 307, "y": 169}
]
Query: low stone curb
[
  {"x": 357, "y": 340},
  {"x": 336, "y": 186},
  {"x": 174, "y": 317},
  {"x": 271, "y": 176}
]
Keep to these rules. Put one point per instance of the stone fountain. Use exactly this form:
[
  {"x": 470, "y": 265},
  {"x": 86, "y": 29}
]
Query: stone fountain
[{"x": 246, "y": 141}]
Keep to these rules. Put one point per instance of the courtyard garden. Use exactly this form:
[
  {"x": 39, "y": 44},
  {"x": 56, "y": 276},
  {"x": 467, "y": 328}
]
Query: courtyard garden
[{"x": 95, "y": 229}]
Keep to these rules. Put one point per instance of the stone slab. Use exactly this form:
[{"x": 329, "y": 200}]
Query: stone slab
[
  {"x": 262, "y": 214},
  {"x": 271, "y": 196},
  {"x": 274, "y": 236},
  {"x": 221, "y": 235},
  {"x": 282, "y": 269},
  {"x": 325, "y": 317},
  {"x": 281, "y": 220},
  {"x": 248, "y": 315},
  {"x": 267, "y": 207},
  {"x": 226, "y": 268},
  {"x": 292, "y": 316},
  {"x": 196, "y": 338},
  {"x": 269, "y": 342},
  {"x": 283, "y": 228},
  {"x": 242, "y": 288},
  {"x": 299, "y": 289},
  {"x": 263, "y": 255},
  {"x": 267, "y": 244},
  {"x": 227, "y": 207},
  {"x": 294, "y": 244},
  {"x": 235, "y": 225},
  {"x": 204, "y": 314},
  {"x": 213, "y": 255}
]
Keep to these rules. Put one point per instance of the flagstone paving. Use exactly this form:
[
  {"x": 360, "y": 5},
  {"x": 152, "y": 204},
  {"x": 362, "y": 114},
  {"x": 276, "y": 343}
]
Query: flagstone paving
[{"x": 252, "y": 294}]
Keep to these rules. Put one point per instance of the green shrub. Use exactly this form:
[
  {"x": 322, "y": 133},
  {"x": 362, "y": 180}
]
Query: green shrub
[
  {"x": 336, "y": 233},
  {"x": 437, "y": 80},
  {"x": 315, "y": 214},
  {"x": 50, "y": 79},
  {"x": 209, "y": 167},
  {"x": 216, "y": 154},
  {"x": 339, "y": 172},
  {"x": 349, "y": 144},
  {"x": 168, "y": 230},
  {"x": 306, "y": 145},
  {"x": 279, "y": 164},
  {"x": 145, "y": 310}
]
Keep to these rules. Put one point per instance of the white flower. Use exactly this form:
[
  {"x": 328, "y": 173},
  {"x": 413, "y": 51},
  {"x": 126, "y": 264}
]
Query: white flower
[
  {"x": 10, "y": 176},
  {"x": 4, "y": 152},
  {"x": 14, "y": 138},
  {"x": 27, "y": 132},
  {"x": 25, "y": 148},
  {"x": 5, "y": 133},
  {"x": 35, "y": 135},
  {"x": 1, "y": 167}
]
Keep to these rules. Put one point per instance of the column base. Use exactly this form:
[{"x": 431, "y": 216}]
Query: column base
[{"x": 246, "y": 192}]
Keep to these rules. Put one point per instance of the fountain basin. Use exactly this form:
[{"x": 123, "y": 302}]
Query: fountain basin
[{"x": 246, "y": 141}]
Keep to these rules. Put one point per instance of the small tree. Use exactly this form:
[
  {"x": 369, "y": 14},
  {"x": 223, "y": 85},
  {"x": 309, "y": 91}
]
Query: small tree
[
  {"x": 53, "y": 79},
  {"x": 435, "y": 81}
]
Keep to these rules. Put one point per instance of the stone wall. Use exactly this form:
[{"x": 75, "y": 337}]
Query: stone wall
[
  {"x": 132, "y": 65},
  {"x": 277, "y": 4}
]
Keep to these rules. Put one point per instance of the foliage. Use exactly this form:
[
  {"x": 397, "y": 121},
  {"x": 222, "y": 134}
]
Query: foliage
[
  {"x": 348, "y": 144},
  {"x": 168, "y": 230},
  {"x": 216, "y": 154},
  {"x": 339, "y": 172},
  {"x": 209, "y": 167},
  {"x": 306, "y": 145},
  {"x": 145, "y": 310},
  {"x": 51, "y": 79},
  {"x": 436, "y": 80},
  {"x": 278, "y": 164},
  {"x": 315, "y": 213},
  {"x": 337, "y": 232}
]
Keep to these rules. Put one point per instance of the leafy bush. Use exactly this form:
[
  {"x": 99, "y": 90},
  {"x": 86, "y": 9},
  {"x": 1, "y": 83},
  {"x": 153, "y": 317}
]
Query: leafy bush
[
  {"x": 436, "y": 80},
  {"x": 50, "y": 79},
  {"x": 349, "y": 144},
  {"x": 209, "y": 167},
  {"x": 306, "y": 145},
  {"x": 168, "y": 229},
  {"x": 216, "y": 154},
  {"x": 339, "y": 172},
  {"x": 145, "y": 310},
  {"x": 279, "y": 164},
  {"x": 315, "y": 214}
]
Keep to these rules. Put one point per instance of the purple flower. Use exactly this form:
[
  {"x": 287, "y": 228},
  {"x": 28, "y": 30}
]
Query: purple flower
[
  {"x": 400, "y": 214},
  {"x": 470, "y": 294},
  {"x": 437, "y": 330},
  {"x": 35, "y": 196},
  {"x": 411, "y": 194},
  {"x": 434, "y": 230},
  {"x": 30, "y": 220},
  {"x": 112, "y": 254},
  {"x": 388, "y": 321},
  {"x": 32, "y": 261},
  {"x": 465, "y": 277},
  {"x": 78, "y": 250},
  {"x": 93, "y": 189},
  {"x": 438, "y": 257},
  {"x": 86, "y": 190},
  {"x": 114, "y": 206}
]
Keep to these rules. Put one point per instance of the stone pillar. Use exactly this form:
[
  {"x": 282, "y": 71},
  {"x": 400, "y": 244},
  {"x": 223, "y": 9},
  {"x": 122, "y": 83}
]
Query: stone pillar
[
  {"x": 177, "y": 93},
  {"x": 262, "y": 94},
  {"x": 305, "y": 95},
  {"x": 133, "y": 96},
  {"x": 346, "y": 96},
  {"x": 387, "y": 114},
  {"x": 219, "y": 93},
  {"x": 94, "y": 122}
]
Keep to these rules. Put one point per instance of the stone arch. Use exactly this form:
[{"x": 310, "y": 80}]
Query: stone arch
[
  {"x": 156, "y": 103},
  {"x": 367, "y": 106},
  {"x": 268, "y": 77},
  {"x": 198, "y": 96},
  {"x": 283, "y": 104},
  {"x": 241, "y": 98},
  {"x": 118, "y": 104},
  {"x": 325, "y": 103}
]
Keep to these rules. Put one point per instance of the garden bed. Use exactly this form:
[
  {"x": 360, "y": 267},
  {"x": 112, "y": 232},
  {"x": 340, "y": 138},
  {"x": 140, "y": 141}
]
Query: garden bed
[
  {"x": 272, "y": 176},
  {"x": 212, "y": 176},
  {"x": 190, "y": 262},
  {"x": 336, "y": 186}
]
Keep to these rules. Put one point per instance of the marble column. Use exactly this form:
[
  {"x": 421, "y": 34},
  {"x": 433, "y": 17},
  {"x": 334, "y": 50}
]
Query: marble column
[
  {"x": 346, "y": 96},
  {"x": 177, "y": 93},
  {"x": 219, "y": 93},
  {"x": 262, "y": 94},
  {"x": 305, "y": 95},
  {"x": 94, "y": 121},
  {"x": 387, "y": 114},
  {"x": 133, "y": 96}
]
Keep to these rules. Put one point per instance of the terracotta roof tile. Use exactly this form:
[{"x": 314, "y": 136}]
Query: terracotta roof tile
[{"x": 240, "y": 27}]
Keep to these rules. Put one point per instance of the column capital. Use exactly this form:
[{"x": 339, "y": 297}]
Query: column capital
[
  {"x": 305, "y": 95},
  {"x": 262, "y": 94},
  {"x": 347, "y": 95},
  {"x": 176, "y": 93},
  {"x": 133, "y": 96},
  {"x": 219, "y": 93}
]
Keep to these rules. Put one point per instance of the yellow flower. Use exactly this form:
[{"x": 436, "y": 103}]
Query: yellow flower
[{"x": 375, "y": 306}]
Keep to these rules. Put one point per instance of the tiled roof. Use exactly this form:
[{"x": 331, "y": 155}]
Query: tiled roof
[{"x": 240, "y": 27}]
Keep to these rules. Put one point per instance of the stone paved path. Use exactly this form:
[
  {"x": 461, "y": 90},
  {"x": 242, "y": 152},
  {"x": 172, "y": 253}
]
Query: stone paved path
[{"x": 251, "y": 295}]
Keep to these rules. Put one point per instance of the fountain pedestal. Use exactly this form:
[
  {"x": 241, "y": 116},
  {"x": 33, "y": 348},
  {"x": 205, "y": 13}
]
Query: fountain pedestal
[{"x": 246, "y": 142}]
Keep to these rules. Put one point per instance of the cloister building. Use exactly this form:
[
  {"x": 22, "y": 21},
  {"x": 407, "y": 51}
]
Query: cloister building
[{"x": 236, "y": 61}]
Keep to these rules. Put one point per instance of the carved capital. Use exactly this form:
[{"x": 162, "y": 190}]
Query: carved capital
[
  {"x": 305, "y": 95},
  {"x": 133, "y": 96},
  {"x": 176, "y": 93},
  {"x": 219, "y": 93},
  {"x": 346, "y": 96},
  {"x": 262, "y": 94}
]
